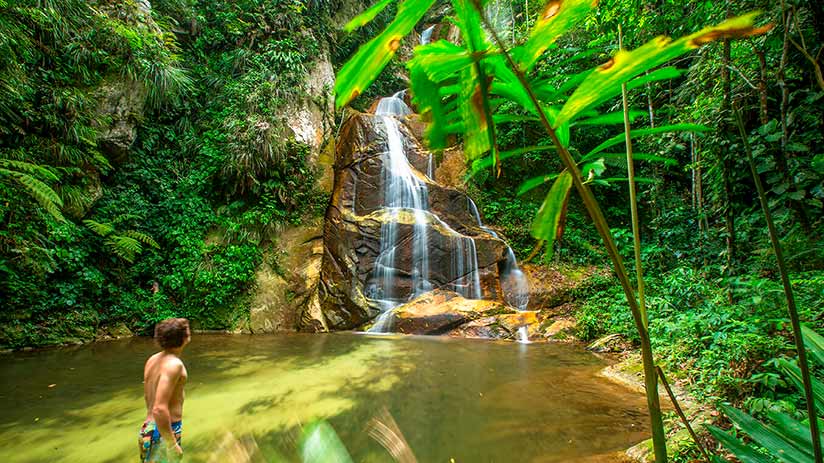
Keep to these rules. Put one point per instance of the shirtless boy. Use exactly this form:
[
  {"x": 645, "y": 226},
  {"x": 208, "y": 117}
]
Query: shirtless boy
[{"x": 163, "y": 379}]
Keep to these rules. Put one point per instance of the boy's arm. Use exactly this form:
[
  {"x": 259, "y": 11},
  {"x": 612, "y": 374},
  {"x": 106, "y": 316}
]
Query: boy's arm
[{"x": 166, "y": 383}]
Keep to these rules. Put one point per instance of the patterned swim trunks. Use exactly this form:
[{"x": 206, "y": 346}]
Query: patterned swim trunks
[{"x": 152, "y": 447}]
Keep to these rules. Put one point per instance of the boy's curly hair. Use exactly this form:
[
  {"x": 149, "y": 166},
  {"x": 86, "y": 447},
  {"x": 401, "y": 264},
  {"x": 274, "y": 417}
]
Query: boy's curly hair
[{"x": 171, "y": 333}]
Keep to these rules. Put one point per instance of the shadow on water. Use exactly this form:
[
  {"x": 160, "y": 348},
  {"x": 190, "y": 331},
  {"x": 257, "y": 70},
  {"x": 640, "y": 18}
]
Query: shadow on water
[{"x": 462, "y": 399}]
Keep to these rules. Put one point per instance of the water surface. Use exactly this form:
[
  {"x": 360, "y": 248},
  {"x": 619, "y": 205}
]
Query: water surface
[{"x": 467, "y": 400}]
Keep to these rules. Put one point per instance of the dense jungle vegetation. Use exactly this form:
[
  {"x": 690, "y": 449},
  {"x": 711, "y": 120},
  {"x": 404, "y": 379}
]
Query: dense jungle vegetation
[{"x": 93, "y": 234}]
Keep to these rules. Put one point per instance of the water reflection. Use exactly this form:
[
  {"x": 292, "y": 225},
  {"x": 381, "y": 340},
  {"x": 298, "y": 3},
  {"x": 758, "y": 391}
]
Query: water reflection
[{"x": 448, "y": 398}]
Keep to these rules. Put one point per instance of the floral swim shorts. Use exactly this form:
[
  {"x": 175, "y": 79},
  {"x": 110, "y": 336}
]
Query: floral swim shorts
[{"x": 152, "y": 448}]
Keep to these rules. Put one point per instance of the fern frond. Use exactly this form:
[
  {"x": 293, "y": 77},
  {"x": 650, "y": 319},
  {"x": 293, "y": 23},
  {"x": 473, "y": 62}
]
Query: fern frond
[
  {"x": 29, "y": 168},
  {"x": 42, "y": 193},
  {"x": 101, "y": 229},
  {"x": 142, "y": 237},
  {"x": 125, "y": 247}
]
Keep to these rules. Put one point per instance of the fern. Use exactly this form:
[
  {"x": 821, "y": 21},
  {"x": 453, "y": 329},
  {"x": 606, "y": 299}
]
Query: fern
[
  {"x": 42, "y": 193},
  {"x": 126, "y": 244}
]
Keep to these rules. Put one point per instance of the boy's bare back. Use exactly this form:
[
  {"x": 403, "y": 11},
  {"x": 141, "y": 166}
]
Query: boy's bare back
[{"x": 164, "y": 373}]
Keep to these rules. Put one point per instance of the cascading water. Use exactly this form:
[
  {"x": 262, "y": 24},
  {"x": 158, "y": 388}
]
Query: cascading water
[
  {"x": 513, "y": 281},
  {"x": 402, "y": 191},
  {"x": 426, "y": 35},
  {"x": 405, "y": 200}
]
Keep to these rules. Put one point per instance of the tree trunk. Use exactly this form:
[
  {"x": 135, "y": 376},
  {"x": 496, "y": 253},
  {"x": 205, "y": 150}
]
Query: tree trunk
[
  {"x": 762, "y": 85},
  {"x": 726, "y": 160}
]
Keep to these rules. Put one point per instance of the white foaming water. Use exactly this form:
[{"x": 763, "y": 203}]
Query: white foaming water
[
  {"x": 402, "y": 191},
  {"x": 430, "y": 167},
  {"x": 513, "y": 281},
  {"x": 426, "y": 35},
  {"x": 523, "y": 335}
]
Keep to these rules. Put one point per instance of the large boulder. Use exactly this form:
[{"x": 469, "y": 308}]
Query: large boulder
[{"x": 441, "y": 311}]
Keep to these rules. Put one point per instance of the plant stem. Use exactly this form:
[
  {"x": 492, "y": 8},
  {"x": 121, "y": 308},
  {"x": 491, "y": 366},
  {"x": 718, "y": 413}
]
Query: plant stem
[
  {"x": 788, "y": 292},
  {"x": 594, "y": 210},
  {"x": 681, "y": 414},
  {"x": 633, "y": 201}
]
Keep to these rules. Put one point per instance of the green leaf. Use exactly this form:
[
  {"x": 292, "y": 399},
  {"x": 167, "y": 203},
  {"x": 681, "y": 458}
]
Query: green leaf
[
  {"x": 142, "y": 237},
  {"x": 557, "y": 17},
  {"x": 101, "y": 229},
  {"x": 621, "y": 158},
  {"x": 792, "y": 370},
  {"x": 741, "y": 450},
  {"x": 815, "y": 344},
  {"x": 545, "y": 224},
  {"x": 620, "y": 138},
  {"x": 367, "y": 16},
  {"x": 535, "y": 182},
  {"x": 604, "y": 82},
  {"x": 42, "y": 193},
  {"x": 486, "y": 161},
  {"x": 29, "y": 168},
  {"x": 767, "y": 437},
  {"x": 664, "y": 73},
  {"x": 609, "y": 118},
  {"x": 426, "y": 97},
  {"x": 440, "y": 60},
  {"x": 321, "y": 444},
  {"x": 593, "y": 169},
  {"x": 362, "y": 69},
  {"x": 793, "y": 431}
]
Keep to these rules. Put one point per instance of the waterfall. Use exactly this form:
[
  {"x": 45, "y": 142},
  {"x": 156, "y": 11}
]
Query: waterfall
[
  {"x": 513, "y": 281},
  {"x": 406, "y": 200},
  {"x": 426, "y": 35},
  {"x": 403, "y": 192}
]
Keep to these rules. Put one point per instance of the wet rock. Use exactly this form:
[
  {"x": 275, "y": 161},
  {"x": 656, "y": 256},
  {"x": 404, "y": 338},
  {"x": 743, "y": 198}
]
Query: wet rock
[
  {"x": 117, "y": 331},
  {"x": 286, "y": 284},
  {"x": 441, "y": 311},
  {"x": 560, "y": 330},
  {"x": 551, "y": 288}
]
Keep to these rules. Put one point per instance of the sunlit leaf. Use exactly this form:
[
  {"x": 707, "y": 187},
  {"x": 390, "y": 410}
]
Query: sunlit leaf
[
  {"x": 535, "y": 182},
  {"x": 367, "y": 16},
  {"x": 545, "y": 224},
  {"x": 604, "y": 82},
  {"x": 609, "y": 118},
  {"x": 440, "y": 60},
  {"x": 593, "y": 169},
  {"x": 621, "y": 158},
  {"x": 557, "y": 17},
  {"x": 370, "y": 59},
  {"x": 426, "y": 97},
  {"x": 650, "y": 131}
]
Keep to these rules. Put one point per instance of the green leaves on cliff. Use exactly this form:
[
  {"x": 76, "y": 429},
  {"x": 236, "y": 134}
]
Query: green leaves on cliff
[{"x": 362, "y": 69}]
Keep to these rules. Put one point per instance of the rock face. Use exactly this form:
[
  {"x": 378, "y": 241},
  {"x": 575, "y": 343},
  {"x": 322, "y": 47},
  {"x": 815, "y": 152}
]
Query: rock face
[
  {"x": 292, "y": 284},
  {"x": 356, "y": 215}
]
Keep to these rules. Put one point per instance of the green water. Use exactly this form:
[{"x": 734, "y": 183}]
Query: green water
[{"x": 467, "y": 400}]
